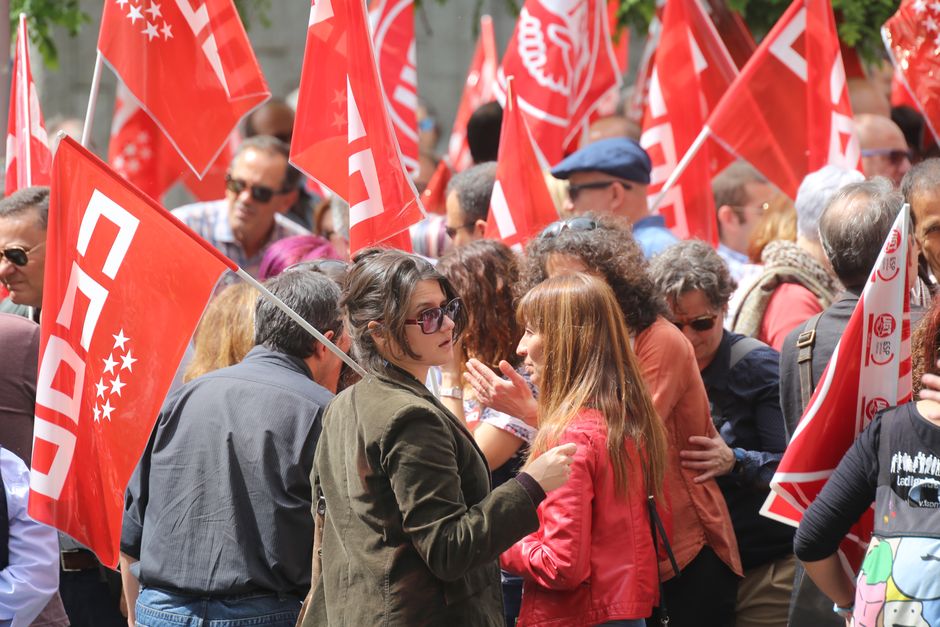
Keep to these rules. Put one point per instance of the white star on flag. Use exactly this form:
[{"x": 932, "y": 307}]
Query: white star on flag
[
  {"x": 167, "y": 33},
  {"x": 920, "y": 6},
  {"x": 116, "y": 385},
  {"x": 930, "y": 23},
  {"x": 154, "y": 10},
  {"x": 150, "y": 32},
  {"x": 106, "y": 410},
  {"x": 127, "y": 361},
  {"x": 143, "y": 137},
  {"x": 97, "y": 414},
  {"x": 120, "y": 339},
  {"x": 134, "y": 14},
  {"x": 101, "y": 387},
  {"x": 935, "y": 6},
  {"x": 109, "y": 364}
]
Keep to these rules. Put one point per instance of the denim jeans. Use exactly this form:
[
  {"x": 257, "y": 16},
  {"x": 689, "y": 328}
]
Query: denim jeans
[{"x": 160, "y": 608}]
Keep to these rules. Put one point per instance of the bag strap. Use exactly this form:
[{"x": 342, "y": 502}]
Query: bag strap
[
  {"x": 316, "y": 566},
  {"x": 804, "y": 359},
  {"x": 742, "y": 348},
  {"x": 658, "y": 531}
]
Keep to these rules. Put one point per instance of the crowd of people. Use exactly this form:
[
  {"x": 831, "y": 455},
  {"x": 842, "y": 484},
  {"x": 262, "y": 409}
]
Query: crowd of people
[{"x": 579, "y": 433}]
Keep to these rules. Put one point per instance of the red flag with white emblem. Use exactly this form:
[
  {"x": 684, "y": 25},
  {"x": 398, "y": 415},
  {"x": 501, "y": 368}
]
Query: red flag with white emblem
[
  {"x": 870, "y": 370},
  {"x": 912, "y": 37},
  {"x": 692, "y": 72},
  {"x": 190, "y": 66},
  {"x": 340, "y": 111},
  {"x": 478, "y": 90},
  {"x": 29, "y": 161},
  {"x": 564, "y": 64},
  {"x": 788, "y": 112},
  {"x": 521, "y": 205},
  {"x": 114, "y": 328},
  {"x": 393, "y": 34}
]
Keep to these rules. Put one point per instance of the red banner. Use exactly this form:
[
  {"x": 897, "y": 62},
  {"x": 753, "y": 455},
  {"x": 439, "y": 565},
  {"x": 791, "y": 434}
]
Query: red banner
[
  {"x": 149, "y": 45},
  {"x": 125, "y": 285}
]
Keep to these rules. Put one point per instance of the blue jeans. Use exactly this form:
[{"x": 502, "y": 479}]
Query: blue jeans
[
  {"x": 159, "y": 608},
  {"x": 625, "y": 622}
]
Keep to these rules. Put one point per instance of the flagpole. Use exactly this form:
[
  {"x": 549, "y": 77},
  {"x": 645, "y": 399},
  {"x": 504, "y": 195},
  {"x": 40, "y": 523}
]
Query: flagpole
[
  {"x": 680, "y": 168},
  {"x": 277, "y": 302},
  {"x": 92, "y": 101}
]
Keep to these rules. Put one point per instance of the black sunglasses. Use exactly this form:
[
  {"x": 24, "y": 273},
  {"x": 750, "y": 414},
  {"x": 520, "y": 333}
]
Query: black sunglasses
[
  {"x": 431, "y": 320},
  {"x": 895, "y": 155},
  {"x": 259, "y": 193},
  {"x": 574, "y": 190},
  {"x": 580, "y": 223},
  {"x": 17, "y": 255},
  {"x": 703, "y": 323}
]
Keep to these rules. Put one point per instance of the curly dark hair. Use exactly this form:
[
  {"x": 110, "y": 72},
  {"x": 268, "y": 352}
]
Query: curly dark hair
[
  {"x": 484, "y": 273},
  {"x": 609, "y": 250}
]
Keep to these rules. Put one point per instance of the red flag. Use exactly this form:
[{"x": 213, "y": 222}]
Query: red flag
[
  {"x": 870, "y": 369},
  {"x": 29, "y": 160},
  {"x": 339, "y": 69},
  {"x": 521, "y": 205},
  {"x": 434, "y": 195},
  {"x": 788, "y": 112},
  {"x": 393, "y": 33},
  {"x": 693, "y": 70},
  {"x": 478, "y": 90},
  {"x": 212, "y": 184},
  {"x": 561, "y": 56},
  {"x": 733, "y": 31},
  {"x": 114, "y": 328},
  {"x": 911, "y": 37},
  {"x": 149, "y": 49},
  {"x": 620, "y": 35}
]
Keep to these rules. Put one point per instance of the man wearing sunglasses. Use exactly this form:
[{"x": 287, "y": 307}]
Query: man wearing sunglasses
[
  {"x": 884, "y": 150},
  {"x": 259, "y": 189},
  {"x": 23, "y": 217},
  {"x": 610, "y": 176}
]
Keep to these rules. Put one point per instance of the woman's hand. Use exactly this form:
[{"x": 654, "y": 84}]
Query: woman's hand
[
  {"x": 552, "y": 468},
  {"x": 711, "y": 455},
  {"x": 511, "y": 397}
]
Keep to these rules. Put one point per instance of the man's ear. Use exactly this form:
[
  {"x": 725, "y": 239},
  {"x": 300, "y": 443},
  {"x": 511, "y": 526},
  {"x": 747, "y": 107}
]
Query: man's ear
[
  {"x": 479, "y": 228},
  {"x": 288, "y": 200},
  {"x": 727, "y": 215},
  {"x": 321, "y": 347}
]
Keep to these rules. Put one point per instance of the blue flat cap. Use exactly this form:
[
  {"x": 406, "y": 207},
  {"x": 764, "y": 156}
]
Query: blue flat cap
[{"x": 617, "y": 156}]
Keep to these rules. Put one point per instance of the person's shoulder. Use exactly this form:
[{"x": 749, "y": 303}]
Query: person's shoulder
[
  {"x": 16, "y": 325},
  {"x": 7, "y": 306},
  {"x": 14, "y": 470},
  {"x": 662, "y": 336},
  {"x": 289, "y": 228}
]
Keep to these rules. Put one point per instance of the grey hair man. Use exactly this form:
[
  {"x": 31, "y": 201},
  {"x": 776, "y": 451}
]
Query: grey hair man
[
  {"x": 23, "y": 218},
  {"x": 467, "y": 203},
  {"x": 814, "y": 194},
  {"x": 229, "y": 436}
]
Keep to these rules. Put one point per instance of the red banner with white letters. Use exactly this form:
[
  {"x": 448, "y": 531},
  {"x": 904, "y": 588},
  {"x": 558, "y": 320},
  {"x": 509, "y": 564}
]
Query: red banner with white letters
[{"x": 125, "y": 285}]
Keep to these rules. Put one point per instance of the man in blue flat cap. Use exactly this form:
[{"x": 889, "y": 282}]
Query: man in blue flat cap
[{"x": 610, "y": 176}]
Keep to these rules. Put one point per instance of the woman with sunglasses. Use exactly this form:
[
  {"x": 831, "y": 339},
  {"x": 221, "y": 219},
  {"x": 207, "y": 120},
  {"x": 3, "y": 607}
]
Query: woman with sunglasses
[
  {"x": 412, "y": 530},
  {"x": 702, "y": 537},
  {"x": 742, "y": 379},
  {"x": 593, "y": 559}
]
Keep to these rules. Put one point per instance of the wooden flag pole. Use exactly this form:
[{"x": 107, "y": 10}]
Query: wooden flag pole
[
  {"x": 680, "y": 167},
  {"x": 92, "y": 101},
  {"x": 293, "y": 315}
]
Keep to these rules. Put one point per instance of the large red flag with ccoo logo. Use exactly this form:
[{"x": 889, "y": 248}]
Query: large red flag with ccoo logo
[
  {"x": 563, "y": 61},
  {"x": 190, "y": 67},
  {"x": 870, "y": 370},
  {"x": 29, "y": 161},
  {"x": 521, "y": 205},
  {"x": 477, "y": 91},
  {"x": 343, "y": 135},
  {"x": 692, "y": 71},
  {"x": 393, "y": 32},
  {"x": 788, "y": 112},
  {"x": 125, "y": 285}
]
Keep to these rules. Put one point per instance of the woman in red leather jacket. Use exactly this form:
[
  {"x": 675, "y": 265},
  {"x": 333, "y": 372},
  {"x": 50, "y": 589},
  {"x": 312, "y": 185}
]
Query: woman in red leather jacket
[{"x": 592, "y": 560}]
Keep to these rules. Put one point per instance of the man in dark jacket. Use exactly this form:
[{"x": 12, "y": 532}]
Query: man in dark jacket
[{"x": 219, "y": 506}]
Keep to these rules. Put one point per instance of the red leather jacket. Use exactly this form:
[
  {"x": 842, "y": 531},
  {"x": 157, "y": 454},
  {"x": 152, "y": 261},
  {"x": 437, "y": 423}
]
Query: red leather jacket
[{"x": 592, "y": 559}]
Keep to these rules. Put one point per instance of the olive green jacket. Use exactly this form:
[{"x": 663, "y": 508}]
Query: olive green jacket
[{"x": 412, "y": 531}]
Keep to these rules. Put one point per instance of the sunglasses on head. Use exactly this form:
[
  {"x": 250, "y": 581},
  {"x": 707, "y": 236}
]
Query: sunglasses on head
[
  {"x": 702, "y": 323},
  {"x": 431, "y": 320},
  {"x": 17, "y": 255},
  {"x": 895, "y": 155},
  {"x": 259, "y": 193},
  {"x": 574, "y": 190},
  {"x": 580, "y": 223}
]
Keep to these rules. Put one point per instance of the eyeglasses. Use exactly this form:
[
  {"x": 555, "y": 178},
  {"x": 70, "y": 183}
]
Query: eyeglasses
[
  {"x": 895, "y": 155},
  {"x": 580, "y": 223},
  {"x": 761, "y": 208},
  {"x": 700, "y": 324},
  {"x": 574, "y": 190},
  {"x": 17, "y": 255},
  {"x": 431, "y": 320},
  {"x": 259, "y": 193}
]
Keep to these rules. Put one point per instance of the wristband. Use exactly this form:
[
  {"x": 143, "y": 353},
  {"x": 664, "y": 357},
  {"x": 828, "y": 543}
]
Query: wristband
[
  {"x": 453, "y": 392},
  {"x": 844, "y": 612}
]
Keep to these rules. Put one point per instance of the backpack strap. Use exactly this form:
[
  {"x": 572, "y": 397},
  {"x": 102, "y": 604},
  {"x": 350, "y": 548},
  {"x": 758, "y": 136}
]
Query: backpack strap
[
  {"x": 4, "y": 526},
  {"x": 742, "y": 348},
  {"x": 804, "y": 359}
]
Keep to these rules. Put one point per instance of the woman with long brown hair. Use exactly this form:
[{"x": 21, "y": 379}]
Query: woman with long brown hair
[{"x": 595, "y": 529}]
